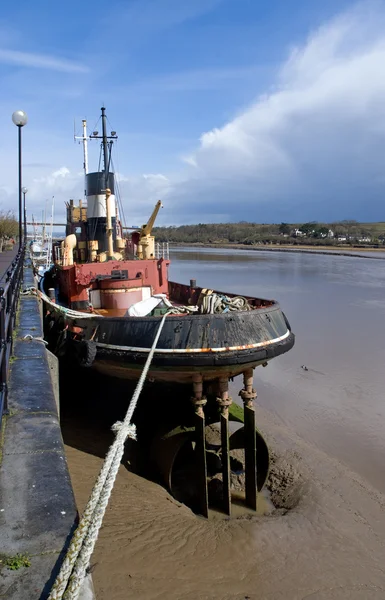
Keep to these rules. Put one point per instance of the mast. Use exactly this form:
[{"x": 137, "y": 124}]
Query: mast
[
  {"x": 45, "y": 219},
  {"x": 105, "y": 144},
  {"x": 49, "y": 249},
  {"x": 85, "y": 147},
  {"x": 84, "y": 140},
  {"x": 101, "y": 195}
]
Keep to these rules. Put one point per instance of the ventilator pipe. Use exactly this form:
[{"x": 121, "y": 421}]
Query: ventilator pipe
[
  {"x": 69, "y": 245},
  {"x": 93, "y": 246},
  {"x": 82, "y": 250},
  {"x": 110, "y": 242}
]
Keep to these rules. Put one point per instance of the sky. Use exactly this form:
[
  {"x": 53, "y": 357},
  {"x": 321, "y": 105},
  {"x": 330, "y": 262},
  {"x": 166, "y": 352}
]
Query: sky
[{"x": 226, "y": 110}]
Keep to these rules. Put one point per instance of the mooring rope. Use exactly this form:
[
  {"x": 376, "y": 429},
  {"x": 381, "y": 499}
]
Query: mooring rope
[
  {"x": 76, "y": 314},
  {"x": 35, "y": 339},
  {"x": 74, "y": 567}
]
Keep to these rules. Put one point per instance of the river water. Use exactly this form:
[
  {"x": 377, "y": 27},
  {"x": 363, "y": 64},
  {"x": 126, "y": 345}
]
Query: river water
[
  {"x": 336, "y": 307},
  {"x": 321, "y": 406}
]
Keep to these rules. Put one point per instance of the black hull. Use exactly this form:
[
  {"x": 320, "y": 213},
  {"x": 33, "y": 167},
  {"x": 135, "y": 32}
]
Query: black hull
[{"x": 211, "y": 344}]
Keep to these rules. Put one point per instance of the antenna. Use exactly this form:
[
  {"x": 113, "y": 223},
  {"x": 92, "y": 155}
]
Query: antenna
[
  {"x": 84, "y": 139},
  {"x": 49, "y": 249}
]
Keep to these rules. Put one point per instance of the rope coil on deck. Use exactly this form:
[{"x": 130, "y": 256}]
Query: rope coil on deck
[
  {"x": 213, "y": 303},
  {"x": 219, "y": 303},
  {"x": 74, "y": 567}
]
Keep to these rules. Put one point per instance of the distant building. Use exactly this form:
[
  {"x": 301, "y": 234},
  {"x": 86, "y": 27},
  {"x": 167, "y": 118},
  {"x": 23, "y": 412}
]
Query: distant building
[
  {"x": 341, "y": 238},
  {"x": 298, "y": 233},
  {"x": 330, "y": 234}
]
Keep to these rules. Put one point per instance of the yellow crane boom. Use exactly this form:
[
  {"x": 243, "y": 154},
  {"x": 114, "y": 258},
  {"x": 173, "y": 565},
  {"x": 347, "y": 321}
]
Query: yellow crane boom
[{"x": 146, "y": 244}]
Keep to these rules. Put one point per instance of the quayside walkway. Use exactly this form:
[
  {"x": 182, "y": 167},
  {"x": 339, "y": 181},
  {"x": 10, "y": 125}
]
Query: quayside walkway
[
  {"x": 6, "y": 259},
  {"x": 37, "y": 508}
]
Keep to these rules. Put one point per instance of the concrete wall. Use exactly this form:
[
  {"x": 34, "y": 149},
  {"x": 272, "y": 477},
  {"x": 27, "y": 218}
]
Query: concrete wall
[{"x": 37, "y": 507}]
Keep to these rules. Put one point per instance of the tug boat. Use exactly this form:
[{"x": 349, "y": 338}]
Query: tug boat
[{"x": 104, "y": 299}]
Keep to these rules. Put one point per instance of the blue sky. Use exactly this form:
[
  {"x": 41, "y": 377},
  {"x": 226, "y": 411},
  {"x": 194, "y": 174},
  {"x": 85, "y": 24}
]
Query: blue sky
[{"x": 227, "y": 110}]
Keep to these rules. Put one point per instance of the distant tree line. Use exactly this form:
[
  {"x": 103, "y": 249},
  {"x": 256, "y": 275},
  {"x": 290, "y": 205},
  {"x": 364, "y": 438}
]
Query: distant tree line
[
  {"x": 9, "y": 229},
  {"x": 313, "y": 233}
]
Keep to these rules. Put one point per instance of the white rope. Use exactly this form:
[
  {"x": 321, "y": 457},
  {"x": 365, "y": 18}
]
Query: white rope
[
  {"x": 219, "y": 303},
  {"x": 74, "y": 568},
  {"x": 176, "y": 310},
  {"x": 214, "y": 304},
  {"x": 30, "y": 291},
  {"x": 76, "y": 314},
  {"x": 35, "y": 338}
]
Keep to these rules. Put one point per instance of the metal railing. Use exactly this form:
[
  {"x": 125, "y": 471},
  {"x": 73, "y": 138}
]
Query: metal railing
[
  {"x": 162, "y": 250},
  {"x": 10, "y": 284}
]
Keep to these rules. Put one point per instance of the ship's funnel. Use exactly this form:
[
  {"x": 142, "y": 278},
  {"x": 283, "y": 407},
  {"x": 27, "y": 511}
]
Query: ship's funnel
[
  {"x": 96, "y": 195},
  {"x": 96, "y": 185}
]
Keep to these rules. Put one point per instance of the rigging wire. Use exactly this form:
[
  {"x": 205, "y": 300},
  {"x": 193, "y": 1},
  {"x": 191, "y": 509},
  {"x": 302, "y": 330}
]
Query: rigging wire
[{"x": 118, "y": 194}]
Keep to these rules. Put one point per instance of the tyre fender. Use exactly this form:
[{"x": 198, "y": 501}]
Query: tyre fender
[{"x": 85, "y": 353}]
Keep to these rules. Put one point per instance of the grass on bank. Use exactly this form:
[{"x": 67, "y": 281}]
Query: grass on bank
[{"x": 15, "y": 562}]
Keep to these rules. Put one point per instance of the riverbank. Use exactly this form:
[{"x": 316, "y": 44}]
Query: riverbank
[
  {"x": 327, "y": 543},
  {"x": 336, "y": 251},
  {"x": 325, "y": 423}
]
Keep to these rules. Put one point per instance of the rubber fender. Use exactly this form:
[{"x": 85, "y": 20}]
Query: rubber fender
[{"x": 85, "y": 353}]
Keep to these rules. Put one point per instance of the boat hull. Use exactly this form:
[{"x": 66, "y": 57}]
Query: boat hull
[{"x": 211, "y": 344}]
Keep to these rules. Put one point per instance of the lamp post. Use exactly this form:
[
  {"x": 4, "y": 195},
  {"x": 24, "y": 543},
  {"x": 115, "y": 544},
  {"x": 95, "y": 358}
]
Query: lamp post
[
  {"x": 20, "y": 118},
  {"x": 24, "y": 190}
]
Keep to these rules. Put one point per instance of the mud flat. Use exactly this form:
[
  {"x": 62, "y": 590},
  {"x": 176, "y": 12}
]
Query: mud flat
[{"x": 325, "y": 540}]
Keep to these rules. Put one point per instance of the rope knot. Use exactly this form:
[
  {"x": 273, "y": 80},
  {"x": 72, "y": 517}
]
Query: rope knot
[
  {"x": 30, "y": 291},
  {"x": 35, "y": 338},
  {"x": 130, "y": 429}
]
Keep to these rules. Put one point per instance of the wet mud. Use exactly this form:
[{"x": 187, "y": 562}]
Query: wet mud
[{"x": 319, "y": 534}]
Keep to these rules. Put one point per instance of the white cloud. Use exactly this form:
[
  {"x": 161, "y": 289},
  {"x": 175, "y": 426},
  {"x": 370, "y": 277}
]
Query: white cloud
[
  {"x": 311, "y": 147},
  {"x": 52, "y": 179},
  {"x": 139, "y": 195},
  {"x": 315, "y": 138},
  {"x": 62, "y": 184},
  {"x": 40, "y": 61}
]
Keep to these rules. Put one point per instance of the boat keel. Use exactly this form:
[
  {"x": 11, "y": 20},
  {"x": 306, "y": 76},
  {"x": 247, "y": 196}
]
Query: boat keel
[
  {"x": 248, "y": 395},
  {"x": 224, "y": 401},
  {"x": 197, "y": 462},
  {"x": 199, "y": 401}
]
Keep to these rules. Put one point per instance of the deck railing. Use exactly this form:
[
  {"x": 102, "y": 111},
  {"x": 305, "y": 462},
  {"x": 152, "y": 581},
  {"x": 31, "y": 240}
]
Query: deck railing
[
  {"x": 162, "y": 250},
  {"x": 10, "y": 284}
]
